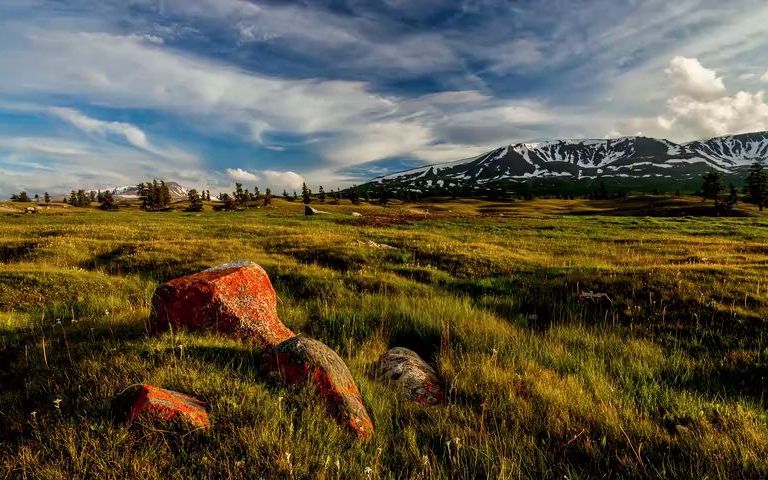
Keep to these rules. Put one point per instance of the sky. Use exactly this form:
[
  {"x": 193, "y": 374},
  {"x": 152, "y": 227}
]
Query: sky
[{"x": 104, "y": 93}]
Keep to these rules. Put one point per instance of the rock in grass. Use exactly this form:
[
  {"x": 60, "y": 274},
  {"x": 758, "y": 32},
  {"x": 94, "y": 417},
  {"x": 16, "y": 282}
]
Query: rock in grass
[
  {"x": 148, "y": 401},
  {"x": 312, "y": 211},
  {"x": 417, "y": 380},
  {"x": 304, "y": 361},
  {"x": 235, "y": 299}
]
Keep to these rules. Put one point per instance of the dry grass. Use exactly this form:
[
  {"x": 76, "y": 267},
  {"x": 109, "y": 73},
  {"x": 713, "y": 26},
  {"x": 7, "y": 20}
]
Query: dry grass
[{"x": 665, "y": 380}]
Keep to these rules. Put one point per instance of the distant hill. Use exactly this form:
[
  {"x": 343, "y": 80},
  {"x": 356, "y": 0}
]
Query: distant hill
[
  {"x": 177, "y": 191},
  {"x": 622, "y": 161}
]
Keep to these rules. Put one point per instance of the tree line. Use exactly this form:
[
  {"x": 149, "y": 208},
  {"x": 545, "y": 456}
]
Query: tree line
[{"x": 755, "y": 190}]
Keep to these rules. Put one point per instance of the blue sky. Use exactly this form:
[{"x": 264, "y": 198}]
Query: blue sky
[{"x": 98, "y": 93}]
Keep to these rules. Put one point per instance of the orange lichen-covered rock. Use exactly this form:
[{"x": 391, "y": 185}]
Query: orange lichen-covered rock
[
  {"x": 412, "y": 375},
  {"x": 148, "y": 401},
  {"x": 304, "y": 361},
  {"x": 235, "y": 299}
]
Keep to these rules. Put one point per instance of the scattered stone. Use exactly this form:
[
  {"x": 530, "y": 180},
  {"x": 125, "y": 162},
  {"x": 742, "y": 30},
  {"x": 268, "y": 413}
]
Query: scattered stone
[
  {"x": 30, "y": 210},
  {"x": 372, "y": 244},
  {"x": 357, "y": 214},
  {"x": 236, "y": 299},
  {"x": 681, "y": 430},
  {"x": 302, "y": 361},
  {"x": 148, "y": 401},
  {"x": 418, "y": 381},
  {"x": 312, "y": 211}
]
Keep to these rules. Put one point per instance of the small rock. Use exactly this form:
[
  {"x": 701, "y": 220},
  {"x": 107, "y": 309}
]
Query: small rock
[
  {"x": 418, "y": 381},
  {"x": 372, "y": 244},
  {"x": 302, "y": 361},
  {"x": 160, "y": 404},
  {"x": 312, "y": 211},
  {"x": 357, "y": 214},
  {"x": 236, "y": 299},
  {"x": 681, "y": 430}
]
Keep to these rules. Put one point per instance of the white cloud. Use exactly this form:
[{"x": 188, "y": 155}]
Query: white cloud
[
  {"x": 240, "y": 175},
  {"x": 764, "y": 78},
  {"x": 277, "y": 180},
  {"x": 698, "y": 111},
  {"x": 134, "y": 135},
  {"x": 693, "y": 80},
  {"x": 274, "y": 179}
]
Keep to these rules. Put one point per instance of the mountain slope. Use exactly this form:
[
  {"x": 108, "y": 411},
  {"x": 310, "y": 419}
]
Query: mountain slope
[{"x": 621, "y": 158}]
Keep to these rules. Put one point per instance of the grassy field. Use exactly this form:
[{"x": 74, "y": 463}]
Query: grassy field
[{"x": 664, "y": 379}]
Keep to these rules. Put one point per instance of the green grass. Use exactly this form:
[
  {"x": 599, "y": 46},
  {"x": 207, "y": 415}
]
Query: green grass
[{"x": 666, "y": 380}]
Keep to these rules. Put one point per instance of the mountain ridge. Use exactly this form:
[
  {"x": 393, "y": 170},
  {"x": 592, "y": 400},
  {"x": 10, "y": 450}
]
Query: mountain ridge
[{"x": 633, "y": 157}]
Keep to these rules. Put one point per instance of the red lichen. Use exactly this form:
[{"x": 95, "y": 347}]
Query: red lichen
[
  {"x": 415, "y": 378},
  {"x": 304, "y": 361},
  {"x": 167, "y": 405},
  {"x": 235, "y": 299}
]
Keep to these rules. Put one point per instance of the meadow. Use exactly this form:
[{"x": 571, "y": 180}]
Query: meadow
[{"x": 662, "y": 377}]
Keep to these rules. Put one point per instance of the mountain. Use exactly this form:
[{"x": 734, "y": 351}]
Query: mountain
[
  {"x": 626, "y": 160},
  {"x": 177, "y": 191}
]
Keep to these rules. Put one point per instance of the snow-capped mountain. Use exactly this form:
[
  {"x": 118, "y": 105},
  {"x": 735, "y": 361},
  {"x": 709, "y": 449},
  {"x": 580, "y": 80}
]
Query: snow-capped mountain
[
  {"x": 619, "y": 158},
  {"x": 130, "y": 191}
]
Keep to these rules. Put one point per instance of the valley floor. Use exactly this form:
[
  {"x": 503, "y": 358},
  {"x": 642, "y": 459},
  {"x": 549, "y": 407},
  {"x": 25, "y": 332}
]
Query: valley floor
[{"x": 663, "y": 377}]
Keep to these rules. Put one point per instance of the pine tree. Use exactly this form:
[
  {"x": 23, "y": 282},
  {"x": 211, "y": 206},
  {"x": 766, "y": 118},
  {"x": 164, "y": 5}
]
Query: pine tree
[
  {"x": 195, "y": 201},
  {"x": 295, "y": 197},
  {"x": 164, "y": 196},
  {"x": 238, "y": 194},
  {"x": 732, "y": 199},
  {"x": 108, "y": 202},
  {"x": 267, "y": 197},
  {"x": 354, "y": 195},
  {"x": 285, "y": 194},
  {"x": 320, "y": 194},
  {"x": 306, "y": 194},
  {"x": 383, "y": 196},
  {"x": 256, "y": 193},
  {"x": 21, "y": 197},
  {"x": 757, "y": 185},
  {"x": 712, "y": 186},
  {"x": 72, "y": 198},
  {"x": 47, "y": 198}
]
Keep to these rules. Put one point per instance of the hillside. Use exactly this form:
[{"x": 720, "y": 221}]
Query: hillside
[{"x": 627, "y": 161}]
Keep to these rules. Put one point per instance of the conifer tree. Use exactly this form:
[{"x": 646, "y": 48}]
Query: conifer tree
[
  {"x": 108, "y": 202},
  {"x": 354, "y": 195},
  {"x": 306, "y": 194},
  {"x": 712, "y": 186},
  {"x": 267, "y": 197},
  {"x": 47, "y": 198},
  {"x": 295, "y": 197},
  {"x": 321, "y": 194},
  {"x": 285, "y": 194},
  {"x": 757, "y": 185},
  {"x": 195, "y": 201}
]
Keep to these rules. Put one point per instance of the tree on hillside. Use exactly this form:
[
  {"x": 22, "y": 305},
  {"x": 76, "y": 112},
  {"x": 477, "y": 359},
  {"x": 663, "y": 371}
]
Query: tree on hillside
[
  {"x": 72, "y": 198},
  {"x": 321, "y": 194},
  {"x": 354, "y": 195},
  {"x": 239, "y": 194},
  {"x": 295, "y": 196},
  {"x": 108, "y": 202},
  {"x": 306, "y": 194},
  {"x": 195, "y": 201},
  {"x": 285, "y": 194},
  {"x": 268, "y": 197},
  {"x": 21, "y": 197},
  {"x": 256, "y": 193},
  {"x": 731, "y": 200},
  {"x": 757, "y": 185},
  {"x": 92, "y": 195},
  {"x": 712, "y": 186},
  {"x": 383, "y": 195},
  {"x": 47, "y": 198}
]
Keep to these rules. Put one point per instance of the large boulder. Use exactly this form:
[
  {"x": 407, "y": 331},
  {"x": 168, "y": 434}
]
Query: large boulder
[
  {"x": 148, "y": 401},
  {"x": 412, "y": 375},
  {"x": 236, "y": 299},
  {"x": 304, "y": 361}
]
